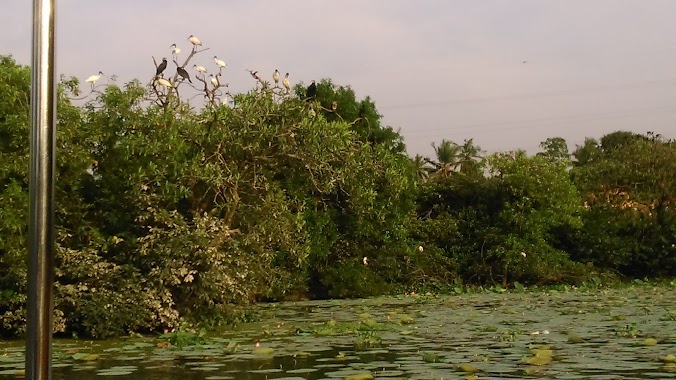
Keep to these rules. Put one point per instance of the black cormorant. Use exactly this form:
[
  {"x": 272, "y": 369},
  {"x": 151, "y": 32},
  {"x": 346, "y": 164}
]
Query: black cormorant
[
  {"x": 184, "y": 74},
  {"x": 161, "y": 67},
  {"x": 311, "y": 91}
]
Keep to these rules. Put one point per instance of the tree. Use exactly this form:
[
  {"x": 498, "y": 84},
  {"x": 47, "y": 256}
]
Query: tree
[
  {"x": 501, "y": 227},
  {"x": 166, "y": 212},
  {"x": 615, "y": 140},
  {"x": 630, "y": 192},
  {"x": 421, "y": 168},
  {"x": 362, "y": 115},
  {"x": 555, "y": 150},
  {"x": 469, "y": 156},
  {"x": 587, "y": 152},
  {"x": 447, "y": 158}
]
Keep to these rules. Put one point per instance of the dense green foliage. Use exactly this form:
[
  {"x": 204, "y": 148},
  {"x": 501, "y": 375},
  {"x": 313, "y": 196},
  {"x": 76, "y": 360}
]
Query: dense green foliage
[
  {"x": 167, "y": 213},
  {"x": 630, "y": 190}
]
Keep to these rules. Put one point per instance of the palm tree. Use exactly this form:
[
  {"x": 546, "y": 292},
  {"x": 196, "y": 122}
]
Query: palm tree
[
  {"x": 447, "y": 154},
  {"x": 422, "y": 170},
  {"x": 469, "y": 155}
]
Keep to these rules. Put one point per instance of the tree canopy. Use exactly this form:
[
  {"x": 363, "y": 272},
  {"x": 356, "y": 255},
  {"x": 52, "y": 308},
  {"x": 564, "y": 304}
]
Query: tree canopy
[{"x": 169, "y": 212}]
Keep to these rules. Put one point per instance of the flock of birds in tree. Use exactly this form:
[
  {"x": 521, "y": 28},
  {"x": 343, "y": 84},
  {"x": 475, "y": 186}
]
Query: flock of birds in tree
[{"x": 183, "y": 75}]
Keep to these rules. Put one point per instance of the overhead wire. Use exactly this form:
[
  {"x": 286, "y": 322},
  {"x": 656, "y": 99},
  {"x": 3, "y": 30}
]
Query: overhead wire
[
  {"x": 498, "y": 98},
  {"x": 537, "y": 122}
]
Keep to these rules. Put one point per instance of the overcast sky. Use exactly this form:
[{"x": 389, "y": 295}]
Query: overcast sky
[{"x": 507, "y": 73}]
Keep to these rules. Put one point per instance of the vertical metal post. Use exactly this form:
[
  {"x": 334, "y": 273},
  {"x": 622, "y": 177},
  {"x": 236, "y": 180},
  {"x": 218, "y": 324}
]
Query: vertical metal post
[{"x": 41, "y": 184}]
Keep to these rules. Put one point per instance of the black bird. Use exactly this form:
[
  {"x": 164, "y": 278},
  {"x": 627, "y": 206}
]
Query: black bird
[
  {"x": 311, "y": 91},
  {"x": 362, "y": 111},
  {"x": 184, "y": 74},
  {"x": 161, "y": 67}
]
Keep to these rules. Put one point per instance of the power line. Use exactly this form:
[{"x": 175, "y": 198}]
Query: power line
[
  {"x": 537, "y": 122},
  {"x": 620, "y": 87}
]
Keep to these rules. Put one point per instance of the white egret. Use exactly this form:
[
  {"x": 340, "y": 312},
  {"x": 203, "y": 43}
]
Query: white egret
[
  {"x": 194, "y": 40},
  {"x": 175, "y": 50},
  {"x": 92, "y": 79},
  {"x": 200, "y": 69},
  {"x": 275, "y": 77},
  {"x": 219, "y": 62},
  {"x": 163, "y": 82},
  {"x": 214, "y": 80},
  {"x": 286, "y": 83}
]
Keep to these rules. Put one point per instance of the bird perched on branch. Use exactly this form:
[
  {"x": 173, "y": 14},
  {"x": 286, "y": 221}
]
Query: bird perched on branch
[
  {"x": 275, "y": 77},
  {"x": 200, "y": 69},
  {"x": 311, "y": 91},
  {"x": 162, "y": 82},
  {"x": 94, "y": 78},
  {"x": 286, "y": 83},
  {"x": 214, "y": 80},
  {"x": 194, "y": 40},
  {"x": 175, "y": 50},
  {"x": 184, "y": 74},
  {"x": 161, "y": 67},
  {"x": 334, "y": 105},
  {"x": 219, "y": 62}
]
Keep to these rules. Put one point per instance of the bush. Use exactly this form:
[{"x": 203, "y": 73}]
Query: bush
[{"x": 500, "y": 227}]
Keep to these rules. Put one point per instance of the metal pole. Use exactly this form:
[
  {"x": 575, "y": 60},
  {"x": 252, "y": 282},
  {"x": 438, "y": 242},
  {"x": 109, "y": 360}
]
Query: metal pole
[{"x": 41, "y": 185}]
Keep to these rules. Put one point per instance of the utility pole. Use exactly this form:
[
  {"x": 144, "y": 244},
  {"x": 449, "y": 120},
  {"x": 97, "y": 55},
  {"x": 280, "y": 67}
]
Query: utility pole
[{"x": 41, "y": 192}]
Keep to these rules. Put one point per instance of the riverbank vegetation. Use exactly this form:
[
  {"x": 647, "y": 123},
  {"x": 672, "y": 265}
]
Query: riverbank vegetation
[{"x": 169, "y": 213}]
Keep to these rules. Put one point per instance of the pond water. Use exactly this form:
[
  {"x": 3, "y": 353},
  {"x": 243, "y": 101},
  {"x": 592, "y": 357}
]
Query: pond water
[{"x": 624, "y": 333}]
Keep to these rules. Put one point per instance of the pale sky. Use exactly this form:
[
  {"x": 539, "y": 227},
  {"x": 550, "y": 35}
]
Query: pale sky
[{"x": 436, "y": 69}]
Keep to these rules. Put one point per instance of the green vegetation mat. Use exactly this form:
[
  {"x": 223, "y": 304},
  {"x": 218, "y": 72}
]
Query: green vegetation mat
[{"x": 622, "y": 333}]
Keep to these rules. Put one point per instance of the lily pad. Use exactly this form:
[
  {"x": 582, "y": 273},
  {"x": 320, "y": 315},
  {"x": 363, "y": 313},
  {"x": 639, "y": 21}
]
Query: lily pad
[
  {"x": 467, "y": 368},
  {"x": 263, "y": 351},
  {"x": 650, "y": 342},
  {"x": 360, "y": 376}
]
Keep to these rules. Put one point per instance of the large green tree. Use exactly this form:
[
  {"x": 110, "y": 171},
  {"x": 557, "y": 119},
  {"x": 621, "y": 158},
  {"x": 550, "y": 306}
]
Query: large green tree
[
  {"x": 555, "y": 149},
  {"x": 630, "y": 192},
  {"x": 500, "y": 227},
  {"x": 165, "y": 211}
]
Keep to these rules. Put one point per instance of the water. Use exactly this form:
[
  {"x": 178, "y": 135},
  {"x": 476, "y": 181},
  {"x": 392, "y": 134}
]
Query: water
[{"x": 600, "y": 334}]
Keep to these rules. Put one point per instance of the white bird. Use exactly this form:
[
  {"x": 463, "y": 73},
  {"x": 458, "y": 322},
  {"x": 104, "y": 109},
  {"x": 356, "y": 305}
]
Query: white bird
[
  {"x": 365, "y": 260},
  {"x": 163, "y": 82},
  {"x": 194, "y": 40},
  {"x": 92, "y": 79},
  {"x": 219, "y": 63},
  {"x": 200, "y": 69},
  {"x": 275, "y": 77},
  {"x": 214, "y": 80},
  {"x": 286, "y": 83},
  {"x": 175, "y": 50}
]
